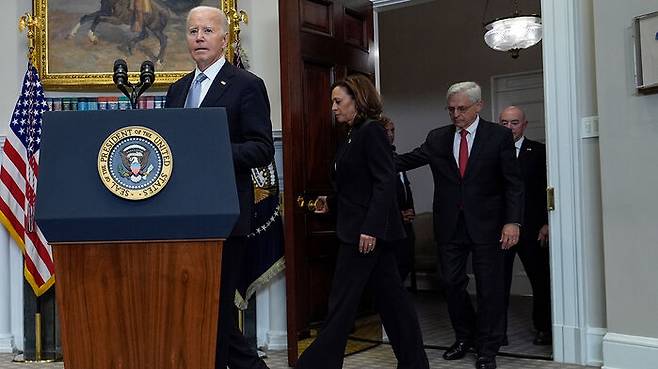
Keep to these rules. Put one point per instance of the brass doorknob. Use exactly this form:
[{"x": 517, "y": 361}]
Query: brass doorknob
[{"x": 310, "y": 205}]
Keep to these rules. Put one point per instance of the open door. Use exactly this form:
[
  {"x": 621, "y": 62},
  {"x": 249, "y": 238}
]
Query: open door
[{"x": 321, "y": 41}]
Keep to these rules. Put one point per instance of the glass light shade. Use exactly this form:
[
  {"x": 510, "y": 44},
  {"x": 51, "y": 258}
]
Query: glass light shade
[{"x": 513, "y": 33}]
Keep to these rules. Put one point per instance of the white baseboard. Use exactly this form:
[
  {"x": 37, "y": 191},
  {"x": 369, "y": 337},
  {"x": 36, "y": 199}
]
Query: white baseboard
[
  {"x": 622, "y": 351},
  {"x": 277, "y": 340},
  {"x": 595, "y": 346},
  {"x": 6, "y": 343}
]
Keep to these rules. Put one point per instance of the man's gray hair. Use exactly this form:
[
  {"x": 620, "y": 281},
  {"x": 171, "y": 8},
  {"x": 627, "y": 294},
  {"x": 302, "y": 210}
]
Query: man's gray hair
[
  {"x": 471, "y": 89},
  {"x": 223, "y": 21}
]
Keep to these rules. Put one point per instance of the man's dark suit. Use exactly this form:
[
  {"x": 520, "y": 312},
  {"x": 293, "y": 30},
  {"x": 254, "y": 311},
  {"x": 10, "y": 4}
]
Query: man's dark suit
[
  {"x": 532, "y": 160},
  {"x": 469, "y": 215},
  {"x": 365, "y": 203},
  {"x": 406, "y": 249},
  {"x": 248, "y": 109}
]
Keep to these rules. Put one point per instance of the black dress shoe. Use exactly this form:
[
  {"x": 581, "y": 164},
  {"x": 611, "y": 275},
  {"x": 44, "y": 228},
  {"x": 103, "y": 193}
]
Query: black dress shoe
[
  {"x": 543, "y": 338},
  {"x": 485, "y": 362},
  {"x": 458, "y": 350}
]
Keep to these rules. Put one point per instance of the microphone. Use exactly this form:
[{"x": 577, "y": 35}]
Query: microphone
[
  {"x": 146, "y": 78},
  {"x": 120, "y": 76},
  {"x": 147, "y": 73}
]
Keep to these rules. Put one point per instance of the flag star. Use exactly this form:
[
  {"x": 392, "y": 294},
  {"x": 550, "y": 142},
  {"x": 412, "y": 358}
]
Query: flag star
[{"x": 14, "y": 122}]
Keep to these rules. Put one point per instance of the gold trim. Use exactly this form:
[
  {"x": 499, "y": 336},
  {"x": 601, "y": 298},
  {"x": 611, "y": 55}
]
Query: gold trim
[
  {"x": 92, "y": 81},
  {"x": 235, "y": 17},
  {"x": 276, "y": 268}
]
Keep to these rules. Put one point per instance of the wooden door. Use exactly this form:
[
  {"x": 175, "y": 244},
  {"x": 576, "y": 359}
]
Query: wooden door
[{"x": 321, "y": 41}]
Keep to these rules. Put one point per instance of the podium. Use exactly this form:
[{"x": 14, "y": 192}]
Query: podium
[{"x": 137, "y": 279}]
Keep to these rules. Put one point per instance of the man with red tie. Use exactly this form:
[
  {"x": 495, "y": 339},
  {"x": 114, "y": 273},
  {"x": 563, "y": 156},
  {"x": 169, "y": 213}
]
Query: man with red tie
[{"x": 478, "y": 210}]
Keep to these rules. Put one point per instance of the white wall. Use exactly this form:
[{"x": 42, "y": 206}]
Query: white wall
[
  {"x": 423, "y": 50},
  {"x": 629, "y": 171},
  {"x": 261, "y": 41}
]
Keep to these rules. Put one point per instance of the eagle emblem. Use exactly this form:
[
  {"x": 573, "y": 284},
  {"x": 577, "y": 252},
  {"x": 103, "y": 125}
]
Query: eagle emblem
[{"x": 135, "y": 163}]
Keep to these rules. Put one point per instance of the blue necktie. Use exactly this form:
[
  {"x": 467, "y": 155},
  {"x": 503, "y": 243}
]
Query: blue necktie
[{"x": 194, "y": 95}]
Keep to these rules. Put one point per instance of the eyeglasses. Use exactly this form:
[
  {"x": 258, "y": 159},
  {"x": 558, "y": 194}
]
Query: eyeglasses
[{"x": 459, "y": 110}]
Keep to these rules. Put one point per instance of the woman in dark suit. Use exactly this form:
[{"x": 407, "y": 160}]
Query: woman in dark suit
[{"x": 368, "y": 225}]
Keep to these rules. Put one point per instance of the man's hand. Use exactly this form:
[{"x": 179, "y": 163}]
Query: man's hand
[
  {"x": 509, "y": 236},
  {"x": 542, "y": 237},
  {"x": 543, "y": 233},
  {"x": 408, "y": 215},
  {"x": 366, "y": 243}
]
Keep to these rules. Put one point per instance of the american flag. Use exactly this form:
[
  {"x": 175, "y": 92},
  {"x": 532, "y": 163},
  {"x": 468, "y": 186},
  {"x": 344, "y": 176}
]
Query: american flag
[{"x": 18, "y": 181}]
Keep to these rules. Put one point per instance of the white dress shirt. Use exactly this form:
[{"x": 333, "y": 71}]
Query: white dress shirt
[
  {"x": 518, "y": 145},
  {"x": 470, "y": 138},
  {"x": 210, "y": 72}
]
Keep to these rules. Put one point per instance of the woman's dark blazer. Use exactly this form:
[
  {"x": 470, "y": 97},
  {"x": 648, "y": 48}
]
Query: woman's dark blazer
[{"x": 365, "y": 181}]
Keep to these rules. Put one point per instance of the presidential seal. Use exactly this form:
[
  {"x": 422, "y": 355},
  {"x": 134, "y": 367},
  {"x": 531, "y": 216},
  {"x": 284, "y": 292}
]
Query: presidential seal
[{"x": 135, "y": 163}]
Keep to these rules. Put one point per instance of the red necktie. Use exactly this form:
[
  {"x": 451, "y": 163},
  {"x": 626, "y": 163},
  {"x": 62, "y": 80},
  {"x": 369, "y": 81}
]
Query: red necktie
[{"x": 463, "y": 152}]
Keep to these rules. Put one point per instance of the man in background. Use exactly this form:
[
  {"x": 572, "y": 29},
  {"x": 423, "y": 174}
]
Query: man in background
[
  {"x": 405, "y": 252},
  {"x": 533, "y": 244},
  {"x": 478, "y": 210}
]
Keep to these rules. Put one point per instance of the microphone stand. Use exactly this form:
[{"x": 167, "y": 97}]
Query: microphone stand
[{"x": 134, "y": 91}]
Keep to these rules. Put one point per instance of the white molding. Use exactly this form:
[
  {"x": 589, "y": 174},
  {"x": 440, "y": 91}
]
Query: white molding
[
  {"x": 7, "y": 343},
  {"x": 382, "y": 5},
  {"x": 595, "y": 346},
  {"x": 564, "y": 174},
  {"x": 622, "y": 351},
  {"x": 277, "y": 340}
]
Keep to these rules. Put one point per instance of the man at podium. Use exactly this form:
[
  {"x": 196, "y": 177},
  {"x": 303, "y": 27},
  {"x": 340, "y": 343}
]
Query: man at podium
[{"x": 217, "y": 83}]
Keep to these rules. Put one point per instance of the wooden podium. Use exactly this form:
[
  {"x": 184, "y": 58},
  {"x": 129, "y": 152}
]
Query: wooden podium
[{"x": 137, "y": 281}]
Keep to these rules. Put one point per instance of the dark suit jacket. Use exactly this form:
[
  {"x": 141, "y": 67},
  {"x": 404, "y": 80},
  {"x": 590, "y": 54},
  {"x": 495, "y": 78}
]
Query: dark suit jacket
[
  {"x": 491, "y": 192},
  {"x": 532, "y": 159},
  {"x": 365, "y": 181},
  {"x": 405, "y": 197},
  {"x": 248, "y": 109}
]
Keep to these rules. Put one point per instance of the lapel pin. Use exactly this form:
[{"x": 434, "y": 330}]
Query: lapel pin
[{"x": 222, "y": 82}]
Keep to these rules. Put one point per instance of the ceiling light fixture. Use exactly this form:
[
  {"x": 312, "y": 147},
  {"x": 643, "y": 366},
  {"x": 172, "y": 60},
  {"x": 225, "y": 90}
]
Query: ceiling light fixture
[{"x": 513, "y": 33}]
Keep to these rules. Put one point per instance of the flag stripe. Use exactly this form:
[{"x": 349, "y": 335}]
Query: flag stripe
[
  {"x": 33, "y": 242},
  {"x": 14, "y": 173},
  {"x": 9, "y": 183},
  {"x": 16, "y": 229},
  {"x": 32, "y": 269},
  {"x": 15, "y": 157}
]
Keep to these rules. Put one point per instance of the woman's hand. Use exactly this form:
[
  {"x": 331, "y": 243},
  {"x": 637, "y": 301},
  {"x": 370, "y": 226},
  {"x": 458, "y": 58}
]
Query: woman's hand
[
  {"x": 367, "y": 243},
  {"x": 321, "y": 205}
]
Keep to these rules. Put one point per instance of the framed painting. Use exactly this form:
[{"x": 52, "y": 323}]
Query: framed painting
[
  {"x": 646, "y": 52},
  {"x": 78, "y": 40}
]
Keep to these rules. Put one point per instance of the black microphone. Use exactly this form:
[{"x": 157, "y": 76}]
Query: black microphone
[
  {"x": 120, "y": 76},
  {"x": 147, "y": 73},
  {"x": 146, "y": 78}
]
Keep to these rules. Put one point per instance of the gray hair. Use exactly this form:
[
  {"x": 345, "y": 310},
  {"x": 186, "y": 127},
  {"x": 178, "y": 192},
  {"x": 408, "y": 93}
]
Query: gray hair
[
  {"x": 223, "y": 20},
  {"x": 471, "y": 89}
]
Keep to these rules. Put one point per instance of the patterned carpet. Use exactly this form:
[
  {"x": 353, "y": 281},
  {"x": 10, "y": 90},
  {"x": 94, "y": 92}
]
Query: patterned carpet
[
  {"x": 437, "y": 331},
  {"x": 380, "y": 357}
]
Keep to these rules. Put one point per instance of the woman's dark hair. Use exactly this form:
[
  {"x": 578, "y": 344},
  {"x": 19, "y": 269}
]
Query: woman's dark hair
[{"x": 366, "y": 98}]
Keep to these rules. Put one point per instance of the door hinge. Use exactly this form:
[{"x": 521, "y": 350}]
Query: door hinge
[{"x": 550, "y": 198}]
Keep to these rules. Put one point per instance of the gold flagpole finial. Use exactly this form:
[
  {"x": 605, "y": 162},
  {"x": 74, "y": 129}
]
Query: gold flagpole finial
[{"x": 31, "y": 23}]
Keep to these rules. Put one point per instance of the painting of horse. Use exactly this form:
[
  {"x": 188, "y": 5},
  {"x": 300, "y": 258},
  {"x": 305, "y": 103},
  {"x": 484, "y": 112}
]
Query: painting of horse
[{"x": 86, "y": 36}]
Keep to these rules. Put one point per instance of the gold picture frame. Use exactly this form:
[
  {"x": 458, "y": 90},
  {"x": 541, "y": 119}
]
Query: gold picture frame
[{"x": 67, "y": 57}]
